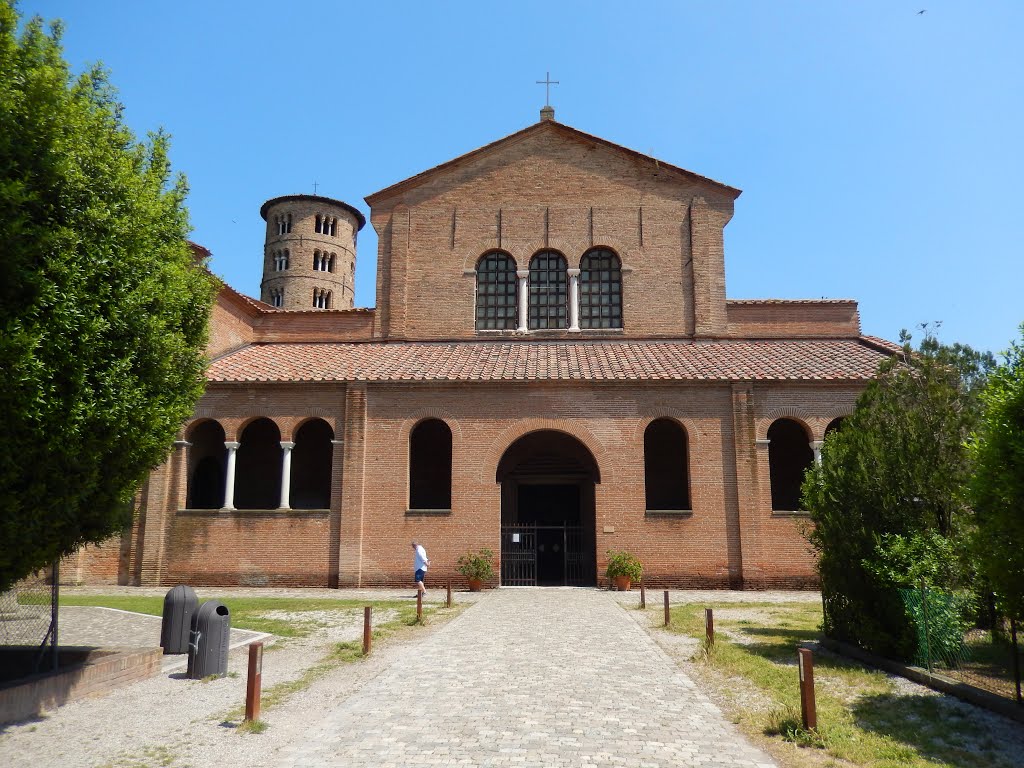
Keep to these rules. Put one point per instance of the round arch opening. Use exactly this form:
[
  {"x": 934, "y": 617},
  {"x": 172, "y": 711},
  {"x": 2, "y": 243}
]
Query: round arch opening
[{"x": 548, "y": 536}]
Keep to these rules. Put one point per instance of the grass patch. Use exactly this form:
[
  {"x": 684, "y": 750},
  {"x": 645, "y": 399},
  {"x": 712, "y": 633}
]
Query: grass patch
[
  {"x": 151, "y": 757},
  {"x": 861, "y": 717},
  {"x": 252, "y": 726},
  {"x": 246, "y": 612}
]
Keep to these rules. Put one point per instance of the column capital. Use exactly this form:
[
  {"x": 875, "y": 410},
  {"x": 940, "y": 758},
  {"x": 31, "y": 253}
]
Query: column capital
[
  {"x": 231, "y": 445},
  {"x": 764, "y": 442},
  {"x": 182, "y": 444},
  {"x": 337, "y": 442},
  {"x": 816, "y": 444},
  {"x": 573, "y": 272},
  {"x": 287, "y": 444},
  {"x": 522, "y": 274}
]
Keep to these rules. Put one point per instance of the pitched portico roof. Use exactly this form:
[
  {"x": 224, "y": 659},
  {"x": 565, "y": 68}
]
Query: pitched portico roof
[{"x": 480, "y": 361}]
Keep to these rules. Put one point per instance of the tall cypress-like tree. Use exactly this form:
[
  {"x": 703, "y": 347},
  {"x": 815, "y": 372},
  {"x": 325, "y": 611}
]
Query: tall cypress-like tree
[
  {"x": 888, "y": 500},
  {"x": 103, "y": 307},
  {"x": 997, "y": 488}
]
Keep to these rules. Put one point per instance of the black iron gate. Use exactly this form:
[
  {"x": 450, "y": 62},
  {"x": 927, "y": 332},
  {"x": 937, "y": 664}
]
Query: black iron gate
[{"x": 521, "y": 545}]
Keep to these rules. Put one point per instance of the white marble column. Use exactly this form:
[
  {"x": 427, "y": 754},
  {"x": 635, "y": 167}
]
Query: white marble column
[
  {"x": 816, "y": 447},
  {"x": 524, "y": 299},
  {"x": 229, "y": 480},
  {"x": 574, "y": 299},
  {"x": 286, "y": 474}
]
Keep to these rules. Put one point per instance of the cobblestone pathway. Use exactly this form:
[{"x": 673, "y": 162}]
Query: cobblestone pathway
[{"x": 529, "y": 677}]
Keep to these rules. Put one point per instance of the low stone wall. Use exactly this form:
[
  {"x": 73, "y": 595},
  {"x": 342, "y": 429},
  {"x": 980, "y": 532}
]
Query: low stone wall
[{"x": 100, "y": 670}]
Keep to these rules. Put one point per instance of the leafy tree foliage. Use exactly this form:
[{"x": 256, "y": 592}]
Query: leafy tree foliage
[
  {"x": 998, "y": 485},
  {"x": 887, "y": 500},
  {"x": 103, "y": 308}
]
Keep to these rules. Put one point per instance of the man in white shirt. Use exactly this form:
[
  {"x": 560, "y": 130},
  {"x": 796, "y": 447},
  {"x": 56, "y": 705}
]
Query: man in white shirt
[{"x": 420, "y": 563}]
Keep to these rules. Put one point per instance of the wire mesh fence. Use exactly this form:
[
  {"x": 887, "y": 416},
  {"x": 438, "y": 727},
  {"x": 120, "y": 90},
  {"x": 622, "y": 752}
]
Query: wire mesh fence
[
  {"x": 28, "y": 625},
  {"x": 950, "y": 643}
]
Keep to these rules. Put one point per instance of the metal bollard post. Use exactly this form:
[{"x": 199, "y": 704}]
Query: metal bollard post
[
  {"x": 367, "y": 629},
  {"x": 643, "y": 596},
  {"x": 255, "y": 682},
  {"x": 808, "y": 710},
  {"x": 419, "y": 606},
  {"x": 448, "y": 598},
  {"x": 668, "y": 614},
  {"x": 709, "y": 625}
]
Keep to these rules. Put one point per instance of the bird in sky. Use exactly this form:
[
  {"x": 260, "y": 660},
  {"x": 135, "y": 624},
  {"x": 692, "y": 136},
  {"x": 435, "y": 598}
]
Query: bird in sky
[{"x": 922, "y": 12}]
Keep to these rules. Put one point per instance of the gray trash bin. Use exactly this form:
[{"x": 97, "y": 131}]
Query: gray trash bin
[
  {"x": 208, "y": 643},
  {"x": 180, "y": 605}
]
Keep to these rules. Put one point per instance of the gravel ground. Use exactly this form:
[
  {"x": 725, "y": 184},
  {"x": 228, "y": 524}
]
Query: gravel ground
[{"x": 172, "y": 721}]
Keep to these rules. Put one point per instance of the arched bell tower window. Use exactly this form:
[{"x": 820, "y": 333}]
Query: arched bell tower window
[
  {"x": 548, "y": 291},
  {"x": 430, "y": 465},
  {"x": 600, "y": 290},
  {"x": 496, "y": 292}
]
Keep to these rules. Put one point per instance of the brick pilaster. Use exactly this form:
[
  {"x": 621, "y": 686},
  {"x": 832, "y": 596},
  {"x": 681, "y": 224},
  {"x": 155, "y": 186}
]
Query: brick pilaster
[
  {"x": 707, "y": 250},
  {"x": 350, "y": 543}
]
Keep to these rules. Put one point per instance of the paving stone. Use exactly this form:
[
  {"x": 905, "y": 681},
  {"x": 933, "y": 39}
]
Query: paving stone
[{"x": 530, "y": 677}]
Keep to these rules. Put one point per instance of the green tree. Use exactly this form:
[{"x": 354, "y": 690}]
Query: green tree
[
  {"x": 887, "y": 501},
  {"x": 103, "y": 307},
  {"x": 997, "y": 488}
]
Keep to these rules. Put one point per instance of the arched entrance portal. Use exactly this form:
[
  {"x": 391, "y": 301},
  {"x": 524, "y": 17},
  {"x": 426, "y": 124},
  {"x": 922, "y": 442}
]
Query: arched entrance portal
[{"x": 547, "y": 511}]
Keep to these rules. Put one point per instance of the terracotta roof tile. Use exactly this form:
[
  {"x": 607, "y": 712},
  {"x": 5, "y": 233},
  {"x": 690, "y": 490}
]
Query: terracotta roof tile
[{"x": 724, "y": 360}]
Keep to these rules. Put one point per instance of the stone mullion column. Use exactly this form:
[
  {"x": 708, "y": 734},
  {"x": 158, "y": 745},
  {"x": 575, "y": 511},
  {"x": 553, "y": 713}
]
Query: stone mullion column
[
  {"x": 286, "y": 473},
  {"x": 816, "y": 447},
  {"x": 574, "y": 299},
  {"x": 229, "y": 479},
  {"x": 524, "y": 299},
  {"x": 350, "y": 549}
]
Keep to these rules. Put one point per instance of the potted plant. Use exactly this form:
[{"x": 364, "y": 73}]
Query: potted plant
[
  {"x": 477, "y": 567},
  {"x": 623, "y": 569}
]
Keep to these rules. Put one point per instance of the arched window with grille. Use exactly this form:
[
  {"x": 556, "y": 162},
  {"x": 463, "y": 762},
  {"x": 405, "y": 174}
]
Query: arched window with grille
[
  {"x": 666, "y": 466},
  {"x": 600, "y": 290},
  {"x": 430, "y": 465},
  {"x": 495, "y": 292},
  {"x": 548, "y": 291},
  {"x": 789, "y": 457}
]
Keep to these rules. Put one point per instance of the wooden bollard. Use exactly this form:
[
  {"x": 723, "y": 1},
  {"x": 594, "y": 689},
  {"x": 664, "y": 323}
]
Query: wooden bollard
[
  {"x": 808, "y": 711},
  {"x": 448, "y": 597},
  {"x": 367, "y": 629},
  {"x": 668, "y": 614},
  {"x": 709, "y": 625},
  {"x": 255, "y": 682},
  {"x": 643, "y": 596},
  {"x": 419, "y": 606}
]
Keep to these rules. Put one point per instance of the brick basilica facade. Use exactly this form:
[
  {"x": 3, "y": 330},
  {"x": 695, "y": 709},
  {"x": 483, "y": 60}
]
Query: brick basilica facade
[{"x": 552, "y": 371}]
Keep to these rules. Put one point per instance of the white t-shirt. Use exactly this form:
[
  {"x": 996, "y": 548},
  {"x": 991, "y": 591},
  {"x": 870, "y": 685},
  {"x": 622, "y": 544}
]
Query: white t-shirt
[{"x": 421, "y": 558}]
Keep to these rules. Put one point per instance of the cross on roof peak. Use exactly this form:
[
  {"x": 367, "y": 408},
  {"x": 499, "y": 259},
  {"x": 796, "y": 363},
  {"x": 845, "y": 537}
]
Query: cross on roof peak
[{"x": 547, "y": 82}]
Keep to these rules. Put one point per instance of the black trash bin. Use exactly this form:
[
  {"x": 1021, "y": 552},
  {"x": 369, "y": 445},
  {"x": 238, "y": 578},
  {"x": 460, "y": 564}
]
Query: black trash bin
[
  {"x": 180, "y": 605},
  {"x": 208, "y": 644}
]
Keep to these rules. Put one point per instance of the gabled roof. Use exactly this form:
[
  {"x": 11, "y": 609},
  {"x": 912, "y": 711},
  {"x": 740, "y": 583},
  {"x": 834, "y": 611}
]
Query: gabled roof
[
  {"x": 537, "y": 128},
  {"x": 838, "y": 360}
]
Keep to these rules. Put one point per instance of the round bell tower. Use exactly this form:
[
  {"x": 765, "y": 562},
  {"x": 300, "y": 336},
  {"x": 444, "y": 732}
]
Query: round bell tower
[{"x": 309, "y": 255}]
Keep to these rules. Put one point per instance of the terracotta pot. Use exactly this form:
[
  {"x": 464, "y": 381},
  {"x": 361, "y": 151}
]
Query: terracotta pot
[
  {"x": 623, "y": 583},
  {"x": 475, "y": 585}
]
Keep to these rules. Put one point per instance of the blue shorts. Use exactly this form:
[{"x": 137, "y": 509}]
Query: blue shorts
[{"x": 420, "y": 574}]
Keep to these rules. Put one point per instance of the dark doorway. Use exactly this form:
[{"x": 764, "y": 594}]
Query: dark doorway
[{"x": 547, "y": 512}]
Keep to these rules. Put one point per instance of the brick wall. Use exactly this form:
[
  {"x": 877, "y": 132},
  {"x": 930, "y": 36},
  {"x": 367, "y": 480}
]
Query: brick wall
[{"x": 550, "y": 190}]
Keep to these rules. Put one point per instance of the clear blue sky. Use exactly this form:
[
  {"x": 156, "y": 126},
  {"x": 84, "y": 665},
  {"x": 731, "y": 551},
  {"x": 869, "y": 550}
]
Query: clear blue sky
[{"x": 879, "y": 149}]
